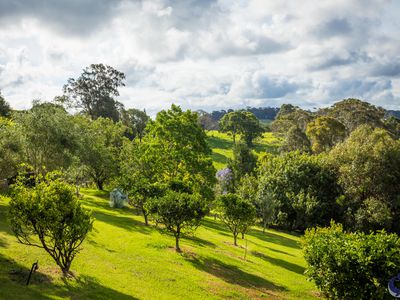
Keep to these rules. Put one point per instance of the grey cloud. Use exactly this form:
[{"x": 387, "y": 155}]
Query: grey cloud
[
  {"x": 388, "y": 69},
  {"x": 273, "y": 88},
  {"x": 359, "y": 88},
  {"x": 70, "y": 17},
  {"x": 334, "y": 27},
  {"x": 340, "y": 60}
]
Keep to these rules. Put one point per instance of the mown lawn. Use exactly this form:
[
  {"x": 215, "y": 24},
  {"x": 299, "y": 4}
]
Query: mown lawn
[
  {"x": 123, "y": 259},
  {"x": 221, "y": 145}
]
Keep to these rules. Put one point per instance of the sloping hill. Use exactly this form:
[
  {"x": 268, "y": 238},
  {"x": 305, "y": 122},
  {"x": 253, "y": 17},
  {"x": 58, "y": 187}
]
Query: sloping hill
[
  {"x": 221, "y": 145},
  {"x": 123, "y": 259}
]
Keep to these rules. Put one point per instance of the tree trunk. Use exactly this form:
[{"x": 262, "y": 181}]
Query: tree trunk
[
  {"x": 146, "y": 222},
  {"x": 235, "y": 238},
  {"x": 264, "y": 226},
  {"x": 99, "y": 184},
  {"x": 177, "y": 236},
  {"x": 242, "y": 235},
  {"x": 177, "y": 248}
]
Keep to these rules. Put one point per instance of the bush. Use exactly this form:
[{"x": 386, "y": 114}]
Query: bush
[
  {"x": 49, "y": 216},
  {"x": 351, "y": 265},
  {"x": 237, "y": 213},
  {"x": 178, "y": 212}
]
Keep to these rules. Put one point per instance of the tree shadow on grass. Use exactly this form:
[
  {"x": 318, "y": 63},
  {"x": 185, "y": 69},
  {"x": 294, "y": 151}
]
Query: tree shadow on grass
[
  {"x": 219, "y": 158},
  {"x": 272, "y": 249},
  {"x": 280, "y": 263},
  {"x": 198, "y": 241},
  {"x": 232, "y": 274},
  {"x": 274, "y": 238},
  {"x": 87, "y": 287},
  {"x": 220, "y": 143},
  {"x": 13, "y": 278},
  {"x": 221, "y": 228},
  {"x": 123, "y": 222}
]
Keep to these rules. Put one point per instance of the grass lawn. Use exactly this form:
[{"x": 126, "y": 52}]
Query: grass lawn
[
  {"x": 123, "y": 259},
  {"x": 221, "y": 145}
]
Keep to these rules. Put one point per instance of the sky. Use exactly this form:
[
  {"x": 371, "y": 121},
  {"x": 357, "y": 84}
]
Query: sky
[{"x": 205, "y": 54}]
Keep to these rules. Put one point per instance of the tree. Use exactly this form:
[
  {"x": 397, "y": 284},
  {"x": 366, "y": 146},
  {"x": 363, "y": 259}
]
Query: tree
[
  {"x": 230, "y": 122},
  {"x": 100, "y": 145},
  {"x": 51, "y": 212},
  {"x": 265, "y": 203},
  {"x": 392, "y": 124},
  {"x": 50, "y": 137},
  {"x": 291, "y": 116},
  {"x": 296, "y": 140},
  {"x": 178, "y": 212},
  {"x": 324, "y": 133},
  {"x": 11, "y": 148},
  {"x": 140, "y": 174},
  {"x": 354, "y": 112},
  {"x": 302, "y": 190},
  {"x": 136, "y": 121},
  {"x": 237, "y": 213},
  {"x": 339, "y": 261},
  {"x": 182, "y": 150},
  {"x": 93, "y": 91},
  {"x": 241, "y": 122},
  {"x": 368, "y": 168},
  {"x": 5, "y": 109},
  {"x": 244, "y": 162}
]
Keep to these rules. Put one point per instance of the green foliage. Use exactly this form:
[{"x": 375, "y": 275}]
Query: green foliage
[
  {"x": 237, "y": 214},
  {"x": 291, "y": 116},
  {"x": 241, "y": 122},
  {"x": 5, "y": 109},
  {"x": 351, "y": 265},
  {"x": 182, "y": 150},
  {"x": 178, "y": 212},
  {"x": 135, "y": 121},
  {"x": 11, "y": 147},
  {"x": 100, "y": 144},
  {"x": 324, "y": 133},
  {"x": 93, "y": 92},
  {"x": 140, "y": 169},
  {"x": 296, "y": 140},
  {"x": 368, "y": 166},
  {"x": 50, "y": 138},
  {"x": 49, "y": 216},
  {"x": 353, "y": 113},
  {"x": 244, "y": 161},
  {"x": 301, "y": 188}
]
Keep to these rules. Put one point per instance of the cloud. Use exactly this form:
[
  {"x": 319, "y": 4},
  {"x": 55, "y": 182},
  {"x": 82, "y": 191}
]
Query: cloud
[
  {"x": 68, "y": 17},
  {"x": 209, "y": 54}
]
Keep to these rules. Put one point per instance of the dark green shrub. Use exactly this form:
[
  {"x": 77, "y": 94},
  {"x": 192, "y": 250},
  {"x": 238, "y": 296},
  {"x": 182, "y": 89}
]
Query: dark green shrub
[
  {"x": 49, "y": 216},
  {"x": 351, "y": 265}
]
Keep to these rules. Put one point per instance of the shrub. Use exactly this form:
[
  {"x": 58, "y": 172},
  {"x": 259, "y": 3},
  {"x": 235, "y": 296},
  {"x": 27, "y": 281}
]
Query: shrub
[
  {"x": 49, "y": 216},
  {"x": 351, "y": 265},
  {"x": 178, "y": 212},
  {"x": 237, "y": 214}
]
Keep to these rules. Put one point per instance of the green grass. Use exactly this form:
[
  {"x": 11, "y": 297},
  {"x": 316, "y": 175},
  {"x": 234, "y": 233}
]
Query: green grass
[
  {"x": 123, "y": 259},
  {"x": 222, "y": 143}
]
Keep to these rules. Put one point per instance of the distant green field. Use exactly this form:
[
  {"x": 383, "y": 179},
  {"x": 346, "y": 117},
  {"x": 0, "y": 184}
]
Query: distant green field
[
  {"x": 221, "y": 145},
  {"x": 123, "y": 259}
]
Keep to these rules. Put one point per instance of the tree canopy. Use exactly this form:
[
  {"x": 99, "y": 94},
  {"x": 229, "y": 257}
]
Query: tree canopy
[{"x": 93, "y": 91}]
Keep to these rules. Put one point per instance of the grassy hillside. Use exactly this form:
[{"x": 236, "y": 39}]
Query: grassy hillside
[
  {"x": 123, "y": 259},
  {"x": 221, "y": 145}
]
